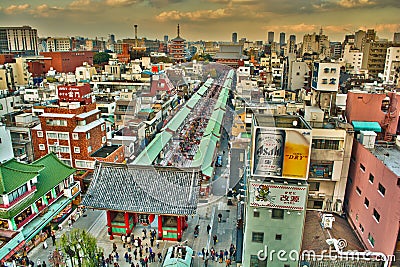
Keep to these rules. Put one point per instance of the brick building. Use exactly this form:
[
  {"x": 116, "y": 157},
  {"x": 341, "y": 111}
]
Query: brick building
[
  {"x": 67, "y": 61},
  {"x": 76, "y": 133}
]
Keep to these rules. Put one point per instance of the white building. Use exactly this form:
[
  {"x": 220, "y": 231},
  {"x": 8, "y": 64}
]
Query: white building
[
  {"x": 299, "y": 74},
  {"x": 352, "y": 57},
  {"x": 392, "y": 65},
  {"x": 19, "y": 40},
  {"x": 85, "y": 72},
  {"x": 58, "y": 44},
  {"x": 6, "y": 150}
]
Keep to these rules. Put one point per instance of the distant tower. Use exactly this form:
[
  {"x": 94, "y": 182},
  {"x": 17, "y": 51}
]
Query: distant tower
[
  {"x": 234, "y": 37},
  {"x": 396, "y": 38},
  {"x": 166, "y": 38},
  {"x": 177, "y": 48},
  {"x": 282, "y": 37},
  {"x": 136, "y": 42},
  {"x": 270, "y": 37},
  {"x": 292, "y": 43}
]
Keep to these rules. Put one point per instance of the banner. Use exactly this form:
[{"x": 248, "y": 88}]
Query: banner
[
  {"x": 278, "y": 196},
  {"x": 281, "y": 152}
]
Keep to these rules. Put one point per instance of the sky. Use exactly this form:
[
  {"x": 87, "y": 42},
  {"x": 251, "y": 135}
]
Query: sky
[{"x": 202, "y": 19}]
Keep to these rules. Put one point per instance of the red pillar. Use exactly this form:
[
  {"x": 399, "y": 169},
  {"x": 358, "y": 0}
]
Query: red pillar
[
  {"x": 109, "y": 224},
  {"x": 127, "y": 228},
  {"x": 179, "y": 227},
  {"x": 160, "y": 230}
]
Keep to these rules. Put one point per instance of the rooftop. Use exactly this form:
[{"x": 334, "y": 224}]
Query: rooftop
[
  {"x": 282, "y": 121},
  {"x": 105, "y": 151},
  {"x": 390, "y": 156},
  {"x": 314, "y": 236}
]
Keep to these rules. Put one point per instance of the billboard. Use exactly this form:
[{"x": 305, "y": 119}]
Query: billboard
[
  {"x": 281, "y": 152},
  {"x": 278, "y": 196}
]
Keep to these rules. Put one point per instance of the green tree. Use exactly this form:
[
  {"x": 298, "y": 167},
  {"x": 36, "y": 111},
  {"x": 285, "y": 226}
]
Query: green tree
[
  {"x": 81, "y": 247},
  {"x": 100, "y": 58}
]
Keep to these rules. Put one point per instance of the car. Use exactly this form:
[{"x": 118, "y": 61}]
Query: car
[{"x": 218, "y": 162}]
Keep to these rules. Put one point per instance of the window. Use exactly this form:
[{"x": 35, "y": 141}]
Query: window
[
  {"x": 84, "y": 164},
  {"x": 314, "y": 186},
  {"x": 350, "y": 180},
  {"x": 0, "y": 140},
  {"x": 277, "y": 213},
  {"x": 103, "y": 127},
  {"x": 362, "y": 167},
  {"x": 1, "y": 106},
  {"x": 39, "y": 134},
  {"x": 381, "y": 189},
  {"x": 103, "y": 139},
  {"x": 371, "y": 239},
  {"x": 256, "y": 262},
  {"x": 75, "y": 136},
  {"x": 87, "y": 135},
  {"x": 321, "y": 169},
  {"x": 366, "y": 202},
  {"x": 324, "y": 81},
  {"x": 89, "y": 149},
  {"x": 278, "y": 237},
  {"x": 361, "y": 228},
  {"x": 257, "y": 237},
  {"x": 42, "y": 147},
  {"x": 358, "y": 190},
  {"x": 325, "y": 144},
  {"x": 77, "y": 149},
  {"x": 371, "y": 178},
  {"x": 56, "y": 122},
  {"x": 82, "y": 123},
  {"x": 377, "y": 216},
  {"x": 256, "y": 214}
]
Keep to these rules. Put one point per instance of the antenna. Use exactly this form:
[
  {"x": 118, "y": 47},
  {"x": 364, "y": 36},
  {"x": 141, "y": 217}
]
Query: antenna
[{"x": 136, "y": 44}]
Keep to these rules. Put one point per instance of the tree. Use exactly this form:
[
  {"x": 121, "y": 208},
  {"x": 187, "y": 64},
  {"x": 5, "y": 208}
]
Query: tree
[
  {"x": 80, "y": 246},
  {"x": 100, "y": 58}
]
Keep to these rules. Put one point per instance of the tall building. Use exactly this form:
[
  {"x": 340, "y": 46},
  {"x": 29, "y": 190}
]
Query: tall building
[
  {"x": 396, "y": 38},
  {"x": 359, "y": 37},
  {"x": 234, "y": 37},
  {"x": 282, "y": 37},
  {"x": 58, "y": 44},
  {"x": 392, "y": 65},
  {"x": 270, "y": 37},
  {"x": 373, "y": 188},
  {"x": 292, "y": 43},
  {"x": 166, "y": 39},
  {"x": 277, "y": 188},
  {"x": 19, "y": 40},
  {"x": 374, "y": 57},
  {"x": 177, "y": 48}
]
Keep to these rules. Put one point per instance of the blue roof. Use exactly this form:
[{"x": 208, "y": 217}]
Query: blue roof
[{"x": 366, "y": 126}]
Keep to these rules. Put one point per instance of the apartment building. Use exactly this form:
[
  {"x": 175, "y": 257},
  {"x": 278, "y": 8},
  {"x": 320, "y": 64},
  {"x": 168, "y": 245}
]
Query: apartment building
[
  {"x": 392, "y": 66},
  {"x": 19, "y": 40}
]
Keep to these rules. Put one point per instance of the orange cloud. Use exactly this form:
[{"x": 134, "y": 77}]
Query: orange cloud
[
  {"x": 16, "y": 8},
  {"x": 355, "y": 3},
  {"x": 120, "y": 2},
  {"x": 199, "y": 15}
]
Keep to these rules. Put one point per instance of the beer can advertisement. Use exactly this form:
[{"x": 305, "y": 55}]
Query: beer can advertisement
[
  {"x": 278, "y": 196},
  {"x": 281, "y": 152}
]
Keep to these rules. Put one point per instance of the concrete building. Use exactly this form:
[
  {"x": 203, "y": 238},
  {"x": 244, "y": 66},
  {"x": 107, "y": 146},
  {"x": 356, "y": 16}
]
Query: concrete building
[
  {"x": 6, "y": 150},
  {"x": 66, "y": 61},
  {"x": 58, "y": 44},
  {"x": 276, "y": 195},
  {"x": 270, "y": 38},
  {"x": 392, "y": 66},
  {"x": 299, "y": 75},
  {"x": 352, "y": 58},
  {"x": 374, "y": 57},
  {"x": 19, "y": 40},
  {"x": 234, "y": 37}
]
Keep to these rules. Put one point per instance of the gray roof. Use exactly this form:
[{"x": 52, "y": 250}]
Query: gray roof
[{"x": 144, "y": 189}]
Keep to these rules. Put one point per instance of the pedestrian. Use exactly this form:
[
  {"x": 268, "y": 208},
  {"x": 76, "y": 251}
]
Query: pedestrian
[
  {"x": 53, "y": 238},
  {"x": 45, "y": 244},
  {"x": 206, "y": 263},
  {"x": 221, "y": 256},
  {"x": 114, "y": 247},
  {"x": 44, "y": 264},
  {"x": 144, "y": 233},
  {"x": 123, "y": 238},
  {"x": 228, "y": 262},
  {"x": 128, "y": 239},
  {"x": 208, "y": 229},
  {"x": 151, "y": 241},
  {"x": 38, "y": 263},
  {"x": 157, "y": 244},
  {"x": 203, "y": 252},
  {"x": 126, "y": 256},
  {"x": 135, "y": 253},
  {"x": 219, "y": 217},
  {"x": 215, "y": 239},
  {"x": 226, "y": 254}
]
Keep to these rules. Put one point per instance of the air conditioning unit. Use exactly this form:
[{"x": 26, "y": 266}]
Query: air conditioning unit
[
  {"x": 311, "y": 195},
  {"x": 321, "y": 195}
]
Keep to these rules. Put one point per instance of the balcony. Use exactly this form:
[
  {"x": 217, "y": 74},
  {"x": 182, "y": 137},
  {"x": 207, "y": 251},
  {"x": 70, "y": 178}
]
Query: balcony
[{"x": 73, "y": 190}]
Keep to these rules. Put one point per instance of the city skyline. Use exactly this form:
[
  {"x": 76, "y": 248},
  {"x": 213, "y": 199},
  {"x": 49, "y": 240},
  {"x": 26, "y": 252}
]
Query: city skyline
[{"x": 251, "y": 19}]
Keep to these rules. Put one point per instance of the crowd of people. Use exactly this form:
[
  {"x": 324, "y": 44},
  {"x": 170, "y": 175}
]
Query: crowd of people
[{"x": 221, "y": 256}]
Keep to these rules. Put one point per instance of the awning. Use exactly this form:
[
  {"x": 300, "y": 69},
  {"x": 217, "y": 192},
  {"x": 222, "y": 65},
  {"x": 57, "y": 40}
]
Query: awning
[{"x": 366, "y": 126}]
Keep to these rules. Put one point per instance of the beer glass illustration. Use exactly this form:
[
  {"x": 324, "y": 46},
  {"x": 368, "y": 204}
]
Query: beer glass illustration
[{"x": 296, "y": 155}]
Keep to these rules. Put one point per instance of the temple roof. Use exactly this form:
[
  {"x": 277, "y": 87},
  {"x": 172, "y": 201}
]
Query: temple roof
[{"x": 144, "y": 189}]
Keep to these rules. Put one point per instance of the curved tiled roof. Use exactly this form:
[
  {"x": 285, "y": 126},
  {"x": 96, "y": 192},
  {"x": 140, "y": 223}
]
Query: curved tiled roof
[{"x": 144, "y": 189}]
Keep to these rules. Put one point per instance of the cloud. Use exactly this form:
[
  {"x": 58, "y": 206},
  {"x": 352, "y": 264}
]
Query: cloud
[
  {"x": 79, "y": 4},
  {"x": 16, "y": 9},
  {"x": 200, "y": 15},
  {"x": 163, "y": 3},
  {"x": 45, "y": 11},
  {"x": 355, "y": 3},
  {"x": 119, "y": 3},
  {"x": 302, "y": 27}
]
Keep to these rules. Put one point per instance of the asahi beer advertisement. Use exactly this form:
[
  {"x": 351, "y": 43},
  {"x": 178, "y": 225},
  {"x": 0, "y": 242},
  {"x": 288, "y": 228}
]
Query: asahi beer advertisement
[
  {"x": 281, "y": 152},
  {"x": 278, "y": 196}
]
